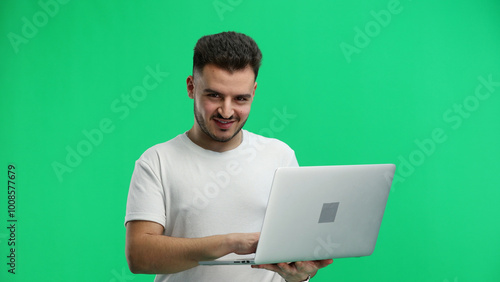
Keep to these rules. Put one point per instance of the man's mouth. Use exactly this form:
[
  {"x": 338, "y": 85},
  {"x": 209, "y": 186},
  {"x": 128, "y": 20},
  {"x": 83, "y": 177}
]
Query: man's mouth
[{"x": 224, "y": 124}]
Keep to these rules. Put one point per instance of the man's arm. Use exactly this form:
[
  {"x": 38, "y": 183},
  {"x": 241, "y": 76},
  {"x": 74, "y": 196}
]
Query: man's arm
[{"x": 149, "y": 251}]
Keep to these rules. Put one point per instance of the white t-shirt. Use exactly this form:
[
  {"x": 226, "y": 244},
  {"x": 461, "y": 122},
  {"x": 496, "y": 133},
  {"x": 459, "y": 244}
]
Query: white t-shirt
[{"x": 195, "y": 192}]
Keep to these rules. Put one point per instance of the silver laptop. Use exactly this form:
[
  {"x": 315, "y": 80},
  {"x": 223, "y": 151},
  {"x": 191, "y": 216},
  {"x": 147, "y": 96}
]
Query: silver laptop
[{"x": 321, "y": 212}]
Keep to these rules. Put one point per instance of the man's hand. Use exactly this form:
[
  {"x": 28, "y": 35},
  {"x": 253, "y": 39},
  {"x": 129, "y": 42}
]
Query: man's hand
[
  {"x": 243, "y": 243},
  {"x": 296, "y": 271}
]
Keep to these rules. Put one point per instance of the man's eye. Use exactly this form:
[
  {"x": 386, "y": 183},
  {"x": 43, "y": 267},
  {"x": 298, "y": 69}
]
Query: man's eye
[
  {"x": 213, "y": 95},
  {"x": 241, "y": 99}
]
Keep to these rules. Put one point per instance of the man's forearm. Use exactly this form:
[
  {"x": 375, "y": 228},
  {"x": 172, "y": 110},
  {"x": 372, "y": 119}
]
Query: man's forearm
[{"x": 148, "y": 253}]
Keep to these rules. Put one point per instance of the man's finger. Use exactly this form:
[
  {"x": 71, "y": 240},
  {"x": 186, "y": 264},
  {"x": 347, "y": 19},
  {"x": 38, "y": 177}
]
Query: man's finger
[
  {"x": 304, "y": 266},
  {"x": 323, "y": 263},
  {"x": 272, "y": 267},
  {"x": 285, "y": 267}
]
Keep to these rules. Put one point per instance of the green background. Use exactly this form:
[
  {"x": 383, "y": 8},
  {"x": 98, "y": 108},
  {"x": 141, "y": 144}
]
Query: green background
[{"x": 402, "y": 91}]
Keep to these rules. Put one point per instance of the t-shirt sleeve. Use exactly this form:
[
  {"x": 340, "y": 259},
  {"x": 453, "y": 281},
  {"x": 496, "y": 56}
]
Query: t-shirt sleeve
[
  {"x": 146, "y": 199},
  {"x": 293, "y": 160}
]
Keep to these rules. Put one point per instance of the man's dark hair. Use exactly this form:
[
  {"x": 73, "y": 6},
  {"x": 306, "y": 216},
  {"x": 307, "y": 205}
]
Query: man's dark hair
[{"x": 228, "y": 50}]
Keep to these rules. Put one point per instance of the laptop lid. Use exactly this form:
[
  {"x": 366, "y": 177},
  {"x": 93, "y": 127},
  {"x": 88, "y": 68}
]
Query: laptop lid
[{"x": 324, "y": 212}]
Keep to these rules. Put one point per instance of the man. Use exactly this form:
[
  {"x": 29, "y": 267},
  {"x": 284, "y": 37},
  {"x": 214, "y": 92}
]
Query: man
[{"x": 203, "y": 194}]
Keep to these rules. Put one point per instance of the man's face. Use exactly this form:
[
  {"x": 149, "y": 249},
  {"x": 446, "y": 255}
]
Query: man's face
[{"x": 222, "y": 102}]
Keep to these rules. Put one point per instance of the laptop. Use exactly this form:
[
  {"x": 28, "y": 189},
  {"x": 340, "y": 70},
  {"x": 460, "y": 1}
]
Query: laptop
[{"x": 320, "y": 212}]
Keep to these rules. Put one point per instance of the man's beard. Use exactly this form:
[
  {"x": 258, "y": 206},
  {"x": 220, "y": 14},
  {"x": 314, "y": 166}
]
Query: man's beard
[{"x": 201, "y": 122}]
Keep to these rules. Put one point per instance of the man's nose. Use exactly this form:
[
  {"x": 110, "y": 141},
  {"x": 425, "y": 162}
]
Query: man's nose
[{"x": 226, "y": 109}]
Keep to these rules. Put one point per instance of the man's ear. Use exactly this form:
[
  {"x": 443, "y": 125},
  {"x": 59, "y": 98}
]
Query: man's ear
[
  {"x": 254, "y": 88},
  {"x": 190, "y": 86}
]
